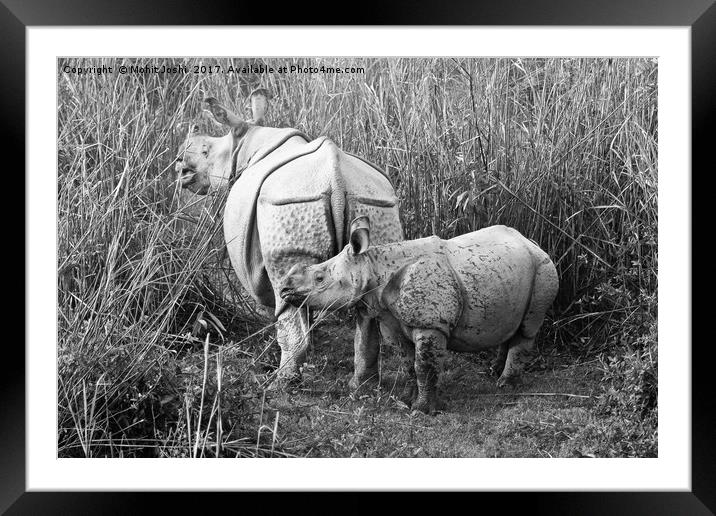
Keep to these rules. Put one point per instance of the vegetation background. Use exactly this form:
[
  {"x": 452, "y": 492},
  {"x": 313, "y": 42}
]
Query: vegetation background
[{"x": 161, "y": 354}]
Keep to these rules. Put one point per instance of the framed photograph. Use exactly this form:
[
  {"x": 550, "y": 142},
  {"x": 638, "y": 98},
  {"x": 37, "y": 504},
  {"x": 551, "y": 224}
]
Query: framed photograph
[{"x": 390, "y": 258}]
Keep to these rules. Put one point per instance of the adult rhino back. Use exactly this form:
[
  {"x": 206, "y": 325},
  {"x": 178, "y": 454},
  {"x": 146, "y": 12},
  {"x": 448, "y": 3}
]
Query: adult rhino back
[
  {"x": 293, "y": 207},
  {"x": 346, "y": 185}
]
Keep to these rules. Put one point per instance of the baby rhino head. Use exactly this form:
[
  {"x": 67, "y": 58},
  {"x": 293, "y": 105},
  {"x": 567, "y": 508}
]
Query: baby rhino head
[{"x": 336, "y": 283}]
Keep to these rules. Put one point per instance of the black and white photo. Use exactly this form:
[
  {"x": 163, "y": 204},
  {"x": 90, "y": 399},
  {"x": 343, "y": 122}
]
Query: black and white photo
[{"x": 354, "y": 257}]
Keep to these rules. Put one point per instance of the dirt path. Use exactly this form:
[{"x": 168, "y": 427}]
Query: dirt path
[{"x": 551, "y": 415}]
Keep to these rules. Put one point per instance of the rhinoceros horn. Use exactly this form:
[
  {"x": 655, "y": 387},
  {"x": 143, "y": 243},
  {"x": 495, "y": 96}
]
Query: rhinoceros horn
[{"x": 360, "y": 234}]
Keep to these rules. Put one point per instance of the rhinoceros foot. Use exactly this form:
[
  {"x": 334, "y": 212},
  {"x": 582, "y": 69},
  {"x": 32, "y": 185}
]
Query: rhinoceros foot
[
  {"x": 364, "y": 382},
  {"x": 429, "y": 406},
  {"x": 285, "y": 381},
  {"x": 410, "y": 392},
  {"x": 512, "y": 381}
]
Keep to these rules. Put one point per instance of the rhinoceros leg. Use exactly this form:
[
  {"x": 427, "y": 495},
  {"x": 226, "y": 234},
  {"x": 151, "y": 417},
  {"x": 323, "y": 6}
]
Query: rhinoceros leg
[
  {"x": 393, "y": 337},
  {"x": 430, "y": 347},
  {"x": 366, "y": 346},
  {"x": 517, "y": 357},
  {"x": 498, "y": 364},
  {"x": 293, "y": 335},
  {"x": 410, "y": 390},
  {"x": 521, "y": 344}
]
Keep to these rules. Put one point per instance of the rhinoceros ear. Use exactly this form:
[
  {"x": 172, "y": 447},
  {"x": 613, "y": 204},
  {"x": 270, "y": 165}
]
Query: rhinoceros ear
[
  {"x": 259, "y": 105},
  {"x": 210, "y": 116},
  {"x": 360, "y": 234},
  {"x": 221, "y": 114}
]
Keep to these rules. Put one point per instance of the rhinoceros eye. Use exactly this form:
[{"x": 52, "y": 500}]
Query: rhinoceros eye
[{"x": 319, "y": 277}]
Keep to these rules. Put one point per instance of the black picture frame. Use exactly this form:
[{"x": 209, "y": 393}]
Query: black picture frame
[{"x": 699, "y": 15}]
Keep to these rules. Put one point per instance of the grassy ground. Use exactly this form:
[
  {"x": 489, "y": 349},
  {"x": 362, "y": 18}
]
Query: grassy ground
[
  {"x": 558, "y": 412},
  {"x": 564, "y": 150},
  {"x": 543, "y": 418}
]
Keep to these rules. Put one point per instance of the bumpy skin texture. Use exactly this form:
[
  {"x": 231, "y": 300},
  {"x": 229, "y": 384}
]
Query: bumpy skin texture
[
  {"x": 484, "y": 289},
  {"x": 291, "y": 204},
  {"x": 301, "y": 219}
]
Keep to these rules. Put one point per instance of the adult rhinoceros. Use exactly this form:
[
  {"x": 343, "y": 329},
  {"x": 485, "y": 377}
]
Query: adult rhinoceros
[{"x": 290, "y": 203}]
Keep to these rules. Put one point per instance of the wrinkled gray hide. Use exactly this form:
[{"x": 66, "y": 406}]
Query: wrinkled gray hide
[{"x": 290, "y": 204}]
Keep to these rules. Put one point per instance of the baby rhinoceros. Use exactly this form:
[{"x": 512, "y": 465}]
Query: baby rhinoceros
[{"x": 484, "y": 289}]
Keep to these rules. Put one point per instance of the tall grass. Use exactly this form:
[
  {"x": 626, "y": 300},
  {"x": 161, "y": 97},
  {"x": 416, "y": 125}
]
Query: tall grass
[{"x": 565, "y": 150}]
